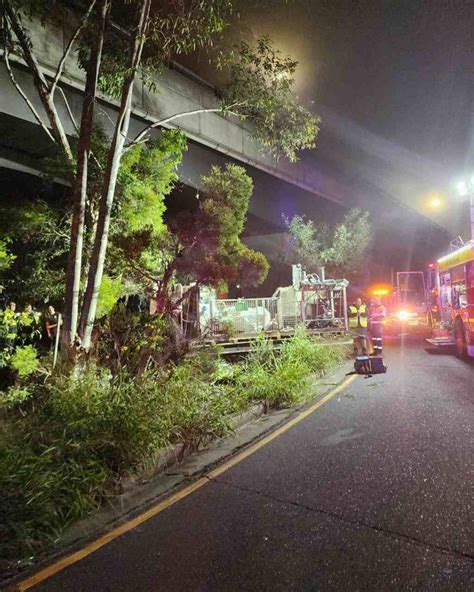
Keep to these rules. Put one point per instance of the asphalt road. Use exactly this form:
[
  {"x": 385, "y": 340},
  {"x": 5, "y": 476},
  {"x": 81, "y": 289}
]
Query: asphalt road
[{"x": 372, "y": 492}]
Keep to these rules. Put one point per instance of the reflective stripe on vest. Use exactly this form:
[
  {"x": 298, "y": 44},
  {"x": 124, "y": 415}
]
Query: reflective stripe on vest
[{"x": 357, "y": 316}]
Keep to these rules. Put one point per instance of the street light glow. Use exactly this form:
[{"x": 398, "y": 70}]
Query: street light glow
[
  {"x": 436, "y": 201},
  {"x": 433, "y": 201},
  {"x": 462, "y": 188}
]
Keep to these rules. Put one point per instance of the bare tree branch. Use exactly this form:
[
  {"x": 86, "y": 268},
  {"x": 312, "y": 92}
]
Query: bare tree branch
[
  {"x": 140, "y": 137},
  {"x": 141, "y": 271},
  {"x": 40, "y": 81},
  {"x": 104, "y": 112},
  {"x": 28, "y": 53},
  {"x": 62, "y": 61},
  {"x": 24, "y": 96},
  {"x": 68, "y": 109}
]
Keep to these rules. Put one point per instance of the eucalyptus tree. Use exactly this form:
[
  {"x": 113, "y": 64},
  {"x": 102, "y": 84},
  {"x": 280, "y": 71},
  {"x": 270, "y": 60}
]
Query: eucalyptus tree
[{"x": 116, "y": 43}]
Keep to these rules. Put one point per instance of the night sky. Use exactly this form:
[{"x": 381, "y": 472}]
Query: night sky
[{"x": 394, "y": 83}]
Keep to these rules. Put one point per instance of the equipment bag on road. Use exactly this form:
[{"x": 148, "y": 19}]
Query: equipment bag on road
[{"x": 369, "y": 365}]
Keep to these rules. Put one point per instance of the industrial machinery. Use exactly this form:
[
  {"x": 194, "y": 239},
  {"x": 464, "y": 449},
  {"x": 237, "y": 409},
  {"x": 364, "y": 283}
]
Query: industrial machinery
[{"x": 318, "y": 303}]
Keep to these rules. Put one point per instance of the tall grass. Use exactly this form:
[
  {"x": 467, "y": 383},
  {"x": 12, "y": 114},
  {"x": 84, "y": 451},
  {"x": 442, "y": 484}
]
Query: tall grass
[
  {"x": 282, "y": 378},
  {"x": 70, "y": 445}
]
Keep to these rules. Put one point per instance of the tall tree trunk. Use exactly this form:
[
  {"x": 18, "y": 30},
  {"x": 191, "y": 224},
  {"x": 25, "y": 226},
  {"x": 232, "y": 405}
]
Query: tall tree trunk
[
  {"x": 79, "y": 190},
  {"x": 96, "y": 269},
  {"x": 162, "y": 298}
]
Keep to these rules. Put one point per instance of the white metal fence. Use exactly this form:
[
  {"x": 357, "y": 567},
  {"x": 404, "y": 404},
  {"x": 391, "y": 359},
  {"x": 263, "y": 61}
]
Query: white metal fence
[{"x": 242, "y": 315}]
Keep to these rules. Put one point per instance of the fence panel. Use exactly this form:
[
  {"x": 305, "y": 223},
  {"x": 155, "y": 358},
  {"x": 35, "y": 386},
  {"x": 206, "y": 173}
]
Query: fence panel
[{"x": 243, "y": 316}]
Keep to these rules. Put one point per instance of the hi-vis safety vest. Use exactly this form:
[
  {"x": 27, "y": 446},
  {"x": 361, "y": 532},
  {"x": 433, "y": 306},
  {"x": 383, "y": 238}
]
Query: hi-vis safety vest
[{"x": 357, "y": 316}]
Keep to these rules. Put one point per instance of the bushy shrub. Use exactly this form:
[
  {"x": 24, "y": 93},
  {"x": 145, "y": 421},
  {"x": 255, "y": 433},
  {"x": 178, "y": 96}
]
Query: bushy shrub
[
  {"x": 137, "y": 341},
  {"x": 109, "y": 294},
  {"x": 14, "y": 395},
  {"x": 18, "y": 358},
  {"x": 24, "y": 360}
]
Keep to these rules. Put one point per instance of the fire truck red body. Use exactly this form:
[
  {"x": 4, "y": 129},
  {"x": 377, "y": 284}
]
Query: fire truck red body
[{"x": 453, "y": 316}]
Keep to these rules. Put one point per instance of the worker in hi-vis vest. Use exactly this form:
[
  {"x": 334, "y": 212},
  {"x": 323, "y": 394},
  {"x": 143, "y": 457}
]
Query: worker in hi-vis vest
[{"x": 358, "y": 317}]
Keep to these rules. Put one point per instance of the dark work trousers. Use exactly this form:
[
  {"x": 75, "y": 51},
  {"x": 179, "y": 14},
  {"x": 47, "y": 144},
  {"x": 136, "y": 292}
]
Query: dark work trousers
[{"x": 376, "y": 332}]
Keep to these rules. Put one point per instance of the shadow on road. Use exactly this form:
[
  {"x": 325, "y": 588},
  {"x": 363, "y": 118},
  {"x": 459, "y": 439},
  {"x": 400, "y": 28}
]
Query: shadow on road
[
  {"x": 440, "y": 351},
  {"x": 419, "y": 341},
  {"x": 448, "y": 352}
]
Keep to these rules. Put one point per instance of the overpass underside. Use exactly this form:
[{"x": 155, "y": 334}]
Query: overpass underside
[{"x": 312, "y": 187}]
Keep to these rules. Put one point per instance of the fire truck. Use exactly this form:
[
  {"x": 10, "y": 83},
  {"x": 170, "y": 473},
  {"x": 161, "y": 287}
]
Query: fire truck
[
  {"x": 406, "y": 302},
  {"x": 453, "y": 312}
]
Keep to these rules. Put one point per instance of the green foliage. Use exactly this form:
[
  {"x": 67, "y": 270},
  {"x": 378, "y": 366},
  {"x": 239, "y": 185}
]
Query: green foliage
[
  {"x": 201, "y": 408},
  {"x": 284, "y": 378},
  {"x": 212, "y": 253},
  {"x": 39, "y": 241},
  {"x": 148, "y": 174},
  {"x": 227, "y": 192},
  {"x": 70, "y": 450},
  {"x": 316, "y": 358},
  {"x": 253, "y": 267},
  {"x": 28, "y": 327},
  {"x": 342, "y": 249},
  {"x": 301, "y": 242},
  {"x": 17, "y": 356},
  {"x": 188, "y": 26},
  {"x": 346, "y": 251},
  {"x": 137, "y": 341},
  {"x": 200, "y": 244},
  {"x": 69, "y": 442},
  {"x": 6, "y": 259},
  {"x": 260, "y": 90},
  {"x": 109, "y": 294},
  {"x": 14, "y": 396},
  {"x": 228, "y": 328},
  {"x": 24, "y": 360},
  {"x": 175, "y": 28},
  {"x": 8, "y": 335}
]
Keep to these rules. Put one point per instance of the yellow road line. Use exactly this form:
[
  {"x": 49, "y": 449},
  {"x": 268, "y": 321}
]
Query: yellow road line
[{"x": 58, "y": 566}]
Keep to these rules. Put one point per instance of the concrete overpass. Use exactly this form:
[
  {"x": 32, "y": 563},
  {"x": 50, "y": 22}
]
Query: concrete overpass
[{"x": 315, "y": 185}]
